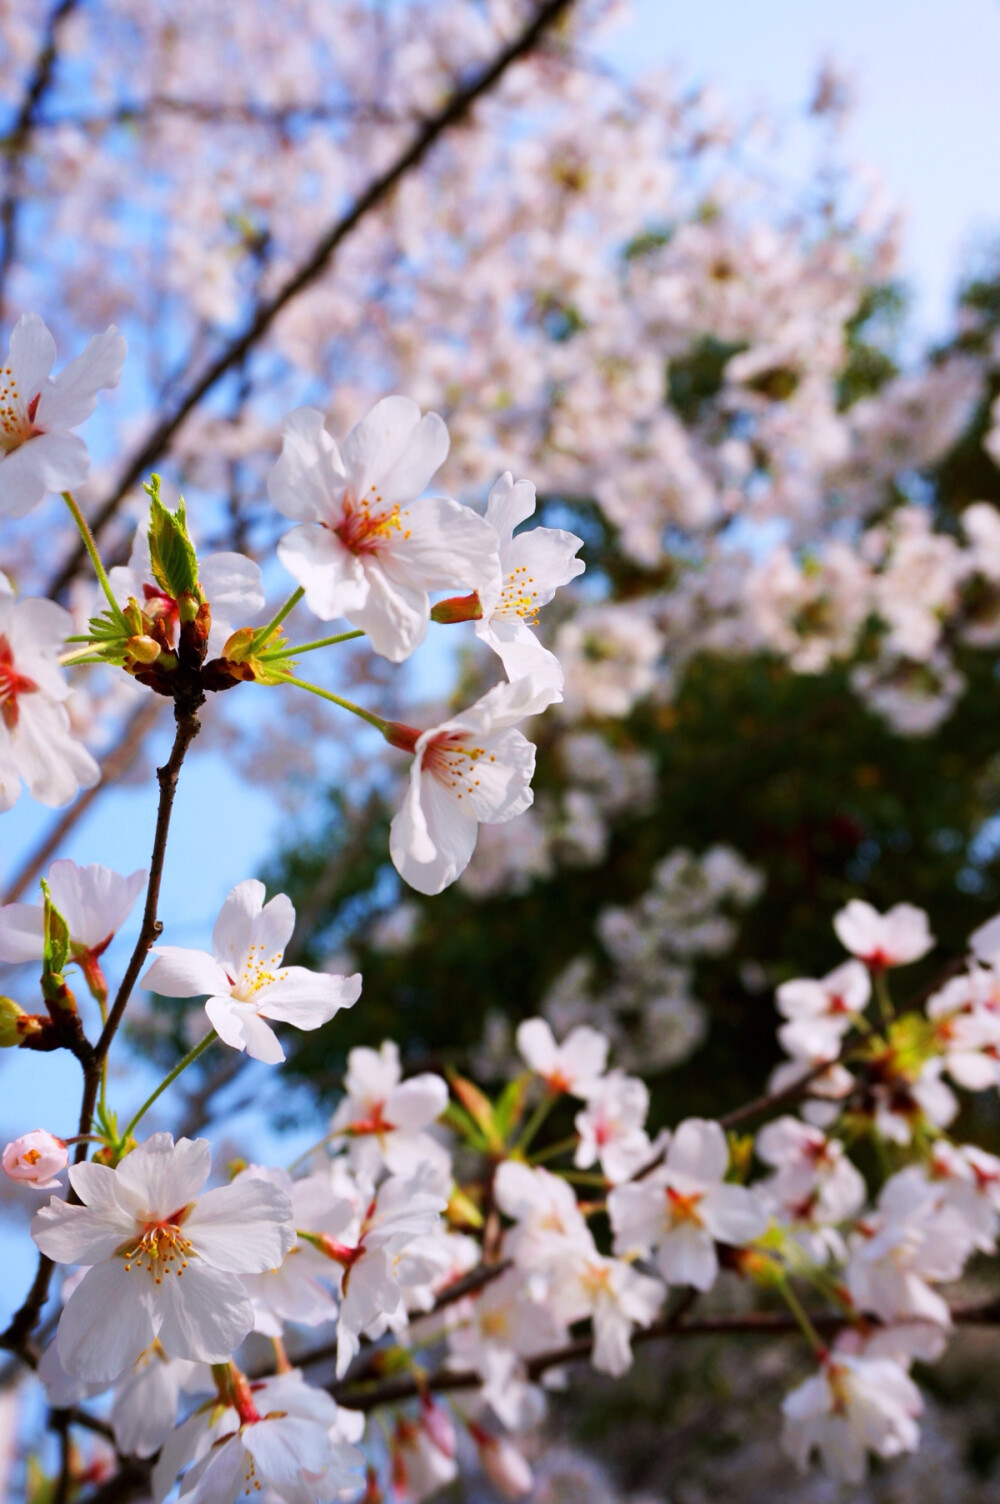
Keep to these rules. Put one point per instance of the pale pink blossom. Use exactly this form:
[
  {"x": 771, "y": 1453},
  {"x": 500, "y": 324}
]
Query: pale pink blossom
[
  {"x": 367, "y": 548},
  {"x": 38, "y": 450},
  {"x": 383, "y": 1119},
  {"x": 895, "y": 938},
  {"x": 35, "y": 1159},
  {"x": 575, "y": 1066},
  {"x": 244, "y": 979},
  {"x": 853, "y": 1406}
]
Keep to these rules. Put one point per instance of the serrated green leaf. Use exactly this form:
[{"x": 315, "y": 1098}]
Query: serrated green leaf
[
  {"x": 56, "y": 931},
  {"x": 172, "y": 555}
]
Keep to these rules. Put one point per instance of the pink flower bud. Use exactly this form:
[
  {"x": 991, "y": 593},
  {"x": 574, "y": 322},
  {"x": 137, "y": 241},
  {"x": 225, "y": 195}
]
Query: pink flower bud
[
  {"x": 503, "y": 1465},
  {"x": 35, "y": 1159}
]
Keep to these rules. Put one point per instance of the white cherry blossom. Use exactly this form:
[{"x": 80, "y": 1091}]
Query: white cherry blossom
[
  {"x": 94, "y": 901},
  {"x": 36, "y": 739},
  {"x": 575, "y": 1066},
  {"x": 367, "y": 548},
  {"x": 38, "y": 450},
  {"x": 611, "y": 1127},
  {"x": 820, "y": 1013},
  {"x": 683, "y": 1207},
  {"x": 244, "y": 979},
  {"x": 853, "y": 1406},
  {"x": 474, "y": 767},
  {"x": 532, "y": 567},
  {"x": 165, "y": 1259},
  {"x": 895, "y": 938},
  {"x": 384, "y": 1119}
]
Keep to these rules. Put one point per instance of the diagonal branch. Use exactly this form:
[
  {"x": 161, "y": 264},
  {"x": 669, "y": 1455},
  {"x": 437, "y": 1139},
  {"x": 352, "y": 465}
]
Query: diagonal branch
[
  {"x": 454, "y": 111},
  {"x": 18, "y": 138}
]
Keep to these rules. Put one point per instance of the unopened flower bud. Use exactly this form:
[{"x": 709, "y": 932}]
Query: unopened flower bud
[
  {"x": 35, "y": 1159},
  {"x": 458, "y": 608},
  {"x": 11, "y": 1029},
  {"x": 239, "y": 645},
  {"x": 503, "y": 1464},
  {"x": 143, "y": 649}
]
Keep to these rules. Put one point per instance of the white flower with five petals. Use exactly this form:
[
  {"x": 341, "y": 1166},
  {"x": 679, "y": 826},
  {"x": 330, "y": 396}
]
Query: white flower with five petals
[{"x": 244, "y": 979}]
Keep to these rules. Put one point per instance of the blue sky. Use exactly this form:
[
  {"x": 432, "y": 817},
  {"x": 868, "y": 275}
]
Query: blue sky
[{"x": 927, "y": 119}]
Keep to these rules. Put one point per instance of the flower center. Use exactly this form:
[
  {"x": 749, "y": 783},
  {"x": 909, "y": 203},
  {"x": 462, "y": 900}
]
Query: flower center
[
  {"x": 365, "y": 526},
  {"x": 519, "y": 597},
  {"x": 162, "y": 1249},
  {"x": 684, "y": 1207},
  {"x": 259, "y": 971},
  {"x": 17, "y": 418},
  {"x": 12, "y": 684},
  {"x": 454, "y": 764}
]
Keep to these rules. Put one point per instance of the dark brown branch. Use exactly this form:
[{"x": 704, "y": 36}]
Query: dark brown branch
[
  {"x": 17, "y": 1335},
  {"x": 117, "y": 762},
  {"x": 19, "y": 137},
  {"x": 456, "y": 109}
]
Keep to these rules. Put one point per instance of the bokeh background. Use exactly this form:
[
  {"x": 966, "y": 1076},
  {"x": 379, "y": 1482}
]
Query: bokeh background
[{"x": 723, "y": 281}]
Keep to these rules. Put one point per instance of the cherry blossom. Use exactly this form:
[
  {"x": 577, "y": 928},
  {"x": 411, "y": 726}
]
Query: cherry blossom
[
  {"x": 36, "y": 740},
  {"x": 35, "y": 1159},
  {"x": 94, "y": 901},
  {"x": 892, "y": 939},
  {"x": 853, "y": 1406},
  {"x": 473, "y": 767},
  {"x": 682, "y": 1208},
  {"x": 38, "y": 450},
  {"x": 244, "y": 978},
  {"x": 366, "y": 547},
  {"x": 144, "y": 1227},
  {"x": 576, "y": 1066},
  {"x": 532, "y": 567},
  {"x": 384, "y": 1118},
  {"x": 611, "y": 1127},
  {"x": 820, "y": 1013}
]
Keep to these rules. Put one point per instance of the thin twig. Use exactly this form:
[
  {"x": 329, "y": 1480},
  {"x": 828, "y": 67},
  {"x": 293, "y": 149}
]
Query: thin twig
[{"x": 454, "y": 111}]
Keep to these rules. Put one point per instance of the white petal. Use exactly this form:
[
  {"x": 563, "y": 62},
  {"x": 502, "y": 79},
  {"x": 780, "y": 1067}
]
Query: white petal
[
  {"x": 307, "y": 482},
  {"x": 204, "y": 1313},
  {"x": 430, "y": 839},
  {"x": 307, "y": 999},
  {"x": 108, "y": 1321},
  {"x": 72, "y": 396},
  {"x": 699, "y": 1151},
  {"x": 394, "y": 451},
  {"x": 330, "y": 574},
  {"x": 177, "y": 972},
  {"x": 687, "y": 1257},
  {"x": 22, "y": 933},
  {"x": 245, "y": 1227}
]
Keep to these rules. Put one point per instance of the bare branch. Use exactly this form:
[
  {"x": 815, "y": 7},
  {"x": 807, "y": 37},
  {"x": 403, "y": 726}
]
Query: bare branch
[{"x": 456, "y": 109}]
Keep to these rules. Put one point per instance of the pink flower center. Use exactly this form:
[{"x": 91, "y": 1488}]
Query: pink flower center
[
  {"x": 12, "y": 684},
  {"x": 684, "y": 1207},
  {"x": 17, "y": 418},
  {"x": 453, "y": 762},
  {"x": 162, "y": 1249},
  {"x": 365, "y": 526}
]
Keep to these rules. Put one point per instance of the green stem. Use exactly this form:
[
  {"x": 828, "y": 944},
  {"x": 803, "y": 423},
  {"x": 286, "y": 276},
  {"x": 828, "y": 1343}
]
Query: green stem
[
  {"x": 266, "y": 633},
  {"x": 798, "y": 1310},
  {"x": 321, "y": 1143},
  {"x": 326, "y": 694},
  {"x": 182, "y": 1065},
  {"x": 552, "y": 1150},
  {"x": 536, "y": 1120},
  {"x": 883, "y": 997},
  {"x": 95, "y": 558},
  {"x": 309, "y": 647}
]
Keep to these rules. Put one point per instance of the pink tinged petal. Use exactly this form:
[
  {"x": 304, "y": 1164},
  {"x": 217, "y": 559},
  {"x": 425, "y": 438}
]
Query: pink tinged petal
[
  {"x": 178, "y": 972},
  {"x": 164, "y": 1177},
  {"x": 444, "y": 544},
  {"x": 307, "y": 999},
  {"x": 94, "y": 900},
  {"x": 203, "y": 1313},
  {"x": 509, "y": 505},
  {"x": 394, "y": 450},
  {"x": 307, "y": 483},
  {"x": 22, "y": 933},
  {"x": 416, "y": 1102},
  {"x": 233, "y": 585},
  {"x": 80, "y": 1234},
  {"x": 732, "y": 1214},
  {"x": 245, "y": 1228},
  {"x": 72, "y": 396},
  {"x": 431, "y": 840},
  {"x": 687, "y": 1257},
  {"x": 330, "y": 574},
  {"x": 32, "y": 354},
  {"x": 108, "y": 1321},
  {"x": 699, "y": 1151}
]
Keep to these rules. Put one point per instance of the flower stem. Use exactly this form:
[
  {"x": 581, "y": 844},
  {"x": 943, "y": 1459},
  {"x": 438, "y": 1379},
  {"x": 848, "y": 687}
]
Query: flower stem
[
  {"x": 95, "y": 558},
  {"x": 266, "y": 633},
  {"x": 536, "y": 1120},
  {"x": 883, "y": 997},
  {"x": 182, "y": 1065},
  {"x": 798, "y": 1310},
  {"x": 551, "y": 1151},
  {"x": 308, "y": 647},
  {"x": 326, "y": 694}
]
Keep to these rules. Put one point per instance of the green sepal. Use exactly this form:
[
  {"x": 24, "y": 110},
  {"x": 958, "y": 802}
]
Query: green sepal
[{"x": 56, "y": 931}]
